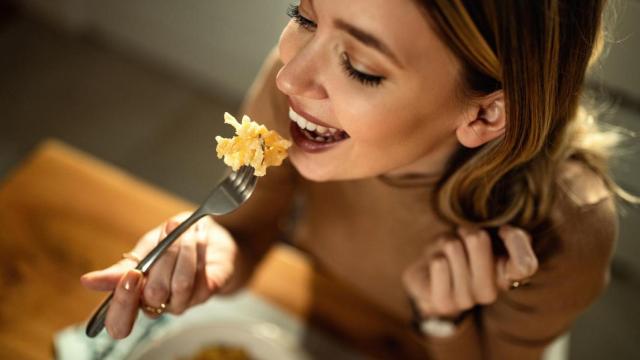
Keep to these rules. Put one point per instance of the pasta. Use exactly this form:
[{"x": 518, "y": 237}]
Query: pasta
[{"x": 254, "y": 145}]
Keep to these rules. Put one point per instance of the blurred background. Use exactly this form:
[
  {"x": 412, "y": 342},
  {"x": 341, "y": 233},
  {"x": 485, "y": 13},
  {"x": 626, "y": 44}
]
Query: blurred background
[{"x": 143, "y": 85}]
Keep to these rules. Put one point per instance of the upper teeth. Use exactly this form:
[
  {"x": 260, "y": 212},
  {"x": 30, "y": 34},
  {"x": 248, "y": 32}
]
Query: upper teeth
[{"x": 306, "y": 124}]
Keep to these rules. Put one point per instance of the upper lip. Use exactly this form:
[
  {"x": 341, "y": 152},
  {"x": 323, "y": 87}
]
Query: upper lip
[{"x": 307, "y": 116}]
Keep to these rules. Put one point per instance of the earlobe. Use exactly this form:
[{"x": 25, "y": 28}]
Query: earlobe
[{"x": 486, "y": 124}]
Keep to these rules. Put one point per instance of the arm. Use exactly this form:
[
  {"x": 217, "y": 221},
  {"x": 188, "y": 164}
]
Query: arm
[
  {"x": 525, "y": 322},
  {"x": 522, "y": 322},
  {"x": 210, "y": 257}
]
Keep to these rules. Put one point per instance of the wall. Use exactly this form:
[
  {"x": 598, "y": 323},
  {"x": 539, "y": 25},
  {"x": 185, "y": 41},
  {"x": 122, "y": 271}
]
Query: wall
[
  {"x": 620, "y": 68},
  {"x": 220, "y": 44}
]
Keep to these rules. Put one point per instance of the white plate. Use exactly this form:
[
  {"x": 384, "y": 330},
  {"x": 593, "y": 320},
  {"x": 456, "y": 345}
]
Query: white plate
[{"x": 260, "y": 340}]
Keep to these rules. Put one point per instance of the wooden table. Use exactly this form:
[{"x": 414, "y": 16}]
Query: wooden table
[{"x": 63, "y": 213}]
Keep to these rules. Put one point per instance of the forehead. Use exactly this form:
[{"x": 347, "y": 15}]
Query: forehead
[{"x": 402, "y": 25}]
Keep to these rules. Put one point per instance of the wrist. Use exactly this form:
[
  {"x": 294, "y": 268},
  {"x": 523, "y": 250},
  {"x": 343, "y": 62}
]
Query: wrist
[{"x": 436, "y": 326}]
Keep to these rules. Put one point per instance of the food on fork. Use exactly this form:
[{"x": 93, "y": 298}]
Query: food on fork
[{"x": 254, "y": 145}]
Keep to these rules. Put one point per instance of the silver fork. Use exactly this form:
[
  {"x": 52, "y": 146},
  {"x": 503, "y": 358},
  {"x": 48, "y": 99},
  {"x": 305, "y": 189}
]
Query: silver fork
[{"x": 230, "y": 193}]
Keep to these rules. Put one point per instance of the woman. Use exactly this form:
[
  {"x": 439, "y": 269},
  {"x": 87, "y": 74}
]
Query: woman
[{"x": 420, "y": 129}]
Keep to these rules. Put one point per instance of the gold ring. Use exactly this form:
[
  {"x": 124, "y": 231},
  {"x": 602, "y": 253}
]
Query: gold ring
[
  {"x": 155, "y": 310},
  {"x": 132, "y": 256}
]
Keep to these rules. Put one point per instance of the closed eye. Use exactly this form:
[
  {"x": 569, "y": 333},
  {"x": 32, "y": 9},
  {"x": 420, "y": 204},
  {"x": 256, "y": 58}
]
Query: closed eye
[
  {"x": 293, "y": 11},
  {"x": 363, "y": 78}
]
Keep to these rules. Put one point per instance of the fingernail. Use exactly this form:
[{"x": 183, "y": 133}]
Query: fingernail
[{"x": 131, "y": 280}]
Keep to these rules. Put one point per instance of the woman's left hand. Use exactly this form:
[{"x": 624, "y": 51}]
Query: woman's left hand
[{"x": 463, "y": 271}]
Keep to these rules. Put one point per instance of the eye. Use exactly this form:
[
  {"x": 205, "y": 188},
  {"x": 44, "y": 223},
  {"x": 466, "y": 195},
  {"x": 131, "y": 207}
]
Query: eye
[
  {"x": 365, "y": 79},
  {"x": 294, "y": 13}
]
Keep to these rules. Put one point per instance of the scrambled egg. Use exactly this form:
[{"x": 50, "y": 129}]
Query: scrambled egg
[{"x": 254, "y": 145}]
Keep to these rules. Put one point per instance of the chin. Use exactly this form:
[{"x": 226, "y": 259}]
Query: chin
[{"x": 312, "y": 173}]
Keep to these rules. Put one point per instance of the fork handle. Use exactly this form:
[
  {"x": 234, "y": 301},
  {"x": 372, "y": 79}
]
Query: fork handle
[{"x": 96, "y": 324}]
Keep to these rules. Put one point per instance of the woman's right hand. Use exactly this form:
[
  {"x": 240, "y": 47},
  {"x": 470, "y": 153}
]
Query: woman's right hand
[{"x": 194, "y": 268}]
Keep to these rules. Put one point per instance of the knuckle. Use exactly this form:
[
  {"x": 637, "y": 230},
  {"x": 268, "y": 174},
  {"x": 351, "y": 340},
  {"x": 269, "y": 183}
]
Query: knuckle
[
  {"x": 452, "y": 247},
  {"x": 487, "y": 297},
  {"x": 120, "y": 300},
  {"x": 178, "y": 310},
  {"x": 527, "y": 266},
  {"x": 476, "y": 239},
  {"x": 464, "y": 301},
  {"x": 441, "y": 305},
  {"x": 182, "y": 286},
  {"x": 466, "y": 304},
  {"x": 518, "y": 233},
  {"x": 156, "y": 292},
  {"x": 424, "y": 307}
]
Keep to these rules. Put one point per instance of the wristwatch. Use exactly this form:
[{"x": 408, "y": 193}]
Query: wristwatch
[{"x": 436, "y": 326}]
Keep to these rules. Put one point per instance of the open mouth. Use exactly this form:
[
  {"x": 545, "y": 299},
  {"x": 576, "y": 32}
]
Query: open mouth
[{"x": 317, "y": 133}]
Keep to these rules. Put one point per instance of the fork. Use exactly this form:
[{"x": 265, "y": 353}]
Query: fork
[{"x": 228, "y": 195}]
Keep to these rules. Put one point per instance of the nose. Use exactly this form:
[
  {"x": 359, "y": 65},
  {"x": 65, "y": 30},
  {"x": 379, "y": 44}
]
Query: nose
[{"x": 299, "y": 76}]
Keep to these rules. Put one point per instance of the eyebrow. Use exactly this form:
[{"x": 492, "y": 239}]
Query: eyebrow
[{"x": 366, "y": 38}]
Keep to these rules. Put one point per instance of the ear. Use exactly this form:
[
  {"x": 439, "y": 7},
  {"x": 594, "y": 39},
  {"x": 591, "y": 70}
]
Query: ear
[{"x": 486, "y": 121}]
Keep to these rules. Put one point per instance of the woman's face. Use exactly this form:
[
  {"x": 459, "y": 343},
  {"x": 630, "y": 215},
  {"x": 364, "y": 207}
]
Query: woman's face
[{"x": 375, "y": 72}]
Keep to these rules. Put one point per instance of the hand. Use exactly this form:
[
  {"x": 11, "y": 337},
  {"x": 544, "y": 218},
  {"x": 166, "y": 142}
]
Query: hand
[
  {"x": 463, "y": 272},
  {"x": 192, "y": 269}
]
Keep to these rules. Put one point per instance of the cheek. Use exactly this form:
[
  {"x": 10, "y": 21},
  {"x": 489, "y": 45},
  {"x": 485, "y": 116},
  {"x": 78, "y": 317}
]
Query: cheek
[
  {"x": 378, "y": 123},
  {"x": 290, "y": 42}
]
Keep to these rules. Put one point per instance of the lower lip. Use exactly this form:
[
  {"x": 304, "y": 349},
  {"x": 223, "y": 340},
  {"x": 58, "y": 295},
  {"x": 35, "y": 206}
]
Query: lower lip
[{"x": 307, "y": 145}]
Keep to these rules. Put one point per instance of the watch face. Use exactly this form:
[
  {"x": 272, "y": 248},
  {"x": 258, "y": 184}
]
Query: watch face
[{"x": 437, "y": 327}]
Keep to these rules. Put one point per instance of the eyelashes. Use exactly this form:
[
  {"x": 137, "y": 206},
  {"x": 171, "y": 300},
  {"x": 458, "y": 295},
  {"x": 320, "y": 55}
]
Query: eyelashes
[
  {"x": 365, "y": 79},
  {"x": 293, "y": 11}
]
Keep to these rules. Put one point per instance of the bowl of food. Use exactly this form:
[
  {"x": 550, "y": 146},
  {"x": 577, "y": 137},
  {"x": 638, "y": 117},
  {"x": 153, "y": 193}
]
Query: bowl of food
[{"x": 220, "y": 341}]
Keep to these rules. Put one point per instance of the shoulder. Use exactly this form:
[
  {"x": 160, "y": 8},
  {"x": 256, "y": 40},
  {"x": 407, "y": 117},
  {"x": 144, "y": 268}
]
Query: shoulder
[
  {"x": 580, "y": 238},
  {"x": 581, "y": 185},
  {"x": 574, "y": 250},
  {"x": 584, "y": 207}
]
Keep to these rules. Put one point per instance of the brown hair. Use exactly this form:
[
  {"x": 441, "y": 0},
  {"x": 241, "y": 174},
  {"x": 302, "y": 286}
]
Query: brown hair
[{"x": 537, "y": 52}]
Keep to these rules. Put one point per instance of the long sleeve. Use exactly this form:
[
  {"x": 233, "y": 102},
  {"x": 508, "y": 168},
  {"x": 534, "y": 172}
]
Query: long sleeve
[{"x": 574, "y": 270}]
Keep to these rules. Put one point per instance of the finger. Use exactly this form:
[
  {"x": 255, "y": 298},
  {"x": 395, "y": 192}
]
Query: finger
[
  {"x": 151, "y": 239},
  {"x": 200, "y": 288},
  {"x": 184, "y": 273},
  {"x": 417, "y": 284},
  {"x": 522, "y": 262},
  {"x": 219, "y": 265},
  {"x": 481, "y": 263},
  {"x": 157, "y": 287},
  {"x": 460, "y": 274},
  {"x": 441, "y": 292},
  {"x": 106, "y": 279},
  {"x": 124, "y": 305},
  {"x": 502, "y": 279}
]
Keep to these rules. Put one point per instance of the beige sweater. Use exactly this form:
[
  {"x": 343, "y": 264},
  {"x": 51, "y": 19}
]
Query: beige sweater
[{"x": 366, "y": 232}]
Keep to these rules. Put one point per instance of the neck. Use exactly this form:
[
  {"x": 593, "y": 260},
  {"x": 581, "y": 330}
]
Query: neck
[{"x": 432, "y": 164}]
